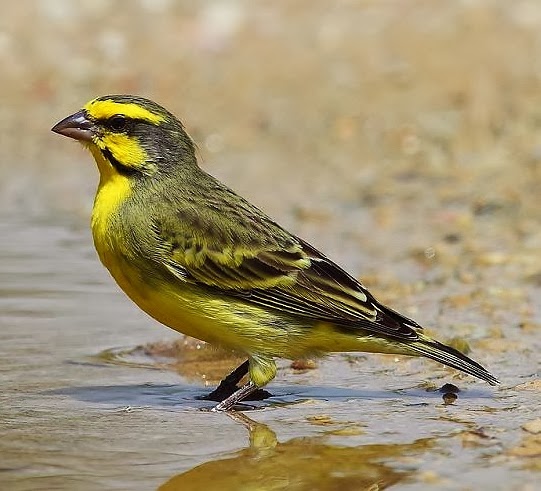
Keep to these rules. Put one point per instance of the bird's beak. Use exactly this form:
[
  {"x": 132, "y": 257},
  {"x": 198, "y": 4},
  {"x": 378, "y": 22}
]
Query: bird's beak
[{"x": 76, "y": 126}]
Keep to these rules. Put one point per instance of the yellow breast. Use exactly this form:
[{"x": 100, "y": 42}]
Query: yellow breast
[
  {"x": 113, "y": 190},
  {"x": 176, "y": 305}
]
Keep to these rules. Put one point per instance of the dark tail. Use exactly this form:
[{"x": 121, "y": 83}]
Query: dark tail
[{"x": 452, "y": 358}]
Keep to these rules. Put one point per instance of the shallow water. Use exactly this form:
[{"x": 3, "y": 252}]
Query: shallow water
[{"x": 74, "y": 419}]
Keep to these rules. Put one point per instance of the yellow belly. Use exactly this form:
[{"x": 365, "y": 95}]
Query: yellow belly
[
  {"x": 213, "y": 318},
  {"x": 235, "y": 324}
]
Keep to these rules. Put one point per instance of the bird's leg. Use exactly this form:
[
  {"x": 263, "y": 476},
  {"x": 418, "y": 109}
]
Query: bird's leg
[
  {"x": 262, "y": 370},
  {"x": 237, "y": 396},
  {"x": 228, "y": 386}
]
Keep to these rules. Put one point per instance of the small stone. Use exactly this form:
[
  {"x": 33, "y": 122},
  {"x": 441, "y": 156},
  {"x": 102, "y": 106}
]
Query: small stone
[
  {"x": 303, "y": 364},
  {"x": 528, "y": 447},
  {"x": 347, "y": 431},
  {"x": 475, "y": 438},
  {"x": 449, "y": 389},
  {"x": 449, "y": 398},
  {"x": 320, "y": 420},
  {"x": 533, "y": 426},
  {"x": 531, "y": 385}
]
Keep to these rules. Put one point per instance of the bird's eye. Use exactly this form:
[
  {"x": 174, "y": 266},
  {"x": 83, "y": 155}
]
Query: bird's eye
[{"x": 117, "y": 122}]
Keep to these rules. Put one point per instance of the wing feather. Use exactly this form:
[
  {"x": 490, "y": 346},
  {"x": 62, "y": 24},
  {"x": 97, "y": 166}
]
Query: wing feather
[{"x": 288, "y": 275}]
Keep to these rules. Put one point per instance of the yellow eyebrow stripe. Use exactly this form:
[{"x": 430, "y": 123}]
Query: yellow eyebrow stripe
[{"x": 103, "y": 109}]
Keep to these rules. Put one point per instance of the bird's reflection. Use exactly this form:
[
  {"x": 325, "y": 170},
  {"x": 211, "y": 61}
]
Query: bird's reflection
[{"x": 306, "y": 463}]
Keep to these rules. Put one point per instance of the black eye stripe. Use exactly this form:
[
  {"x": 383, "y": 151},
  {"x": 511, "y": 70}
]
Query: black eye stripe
[
  {"x": 122, "y": 169},
  {"x": 122, "y": 124}
]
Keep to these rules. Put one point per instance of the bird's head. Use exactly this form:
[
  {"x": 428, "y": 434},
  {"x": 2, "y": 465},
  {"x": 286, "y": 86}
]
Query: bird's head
[{"x": 130, "y": 135}]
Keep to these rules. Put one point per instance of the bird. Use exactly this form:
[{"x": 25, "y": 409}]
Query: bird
[{"x": 204, "y": 261}]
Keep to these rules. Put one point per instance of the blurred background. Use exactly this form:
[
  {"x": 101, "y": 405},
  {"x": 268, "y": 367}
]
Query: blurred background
[
  {"x": 403, "y": 138},
  {"x": 320, "y": 98},
  {"x": 340, "y": 113}
]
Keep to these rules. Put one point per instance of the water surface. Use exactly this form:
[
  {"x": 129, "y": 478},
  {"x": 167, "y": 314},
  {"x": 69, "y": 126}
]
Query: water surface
[{"x": 71, "y": 420}]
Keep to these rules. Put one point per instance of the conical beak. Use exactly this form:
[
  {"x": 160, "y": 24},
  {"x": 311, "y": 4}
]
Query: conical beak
[{"x": 76, "y": 126}]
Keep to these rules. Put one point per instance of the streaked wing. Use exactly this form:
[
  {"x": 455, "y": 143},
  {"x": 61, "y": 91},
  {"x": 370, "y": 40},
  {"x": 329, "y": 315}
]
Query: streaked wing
[
  {"x": 285, "y": 274},
  {"x": 325, "y": 292}
]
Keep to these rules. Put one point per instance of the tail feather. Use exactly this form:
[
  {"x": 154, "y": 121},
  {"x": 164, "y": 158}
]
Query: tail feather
[{"x": 452, "y": 358}]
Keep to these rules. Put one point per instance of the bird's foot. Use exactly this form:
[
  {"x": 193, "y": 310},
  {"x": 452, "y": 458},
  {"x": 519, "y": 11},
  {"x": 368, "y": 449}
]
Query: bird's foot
[
  {"x": 223, "y": 391},
  {"x": 228, "y": 386}
]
